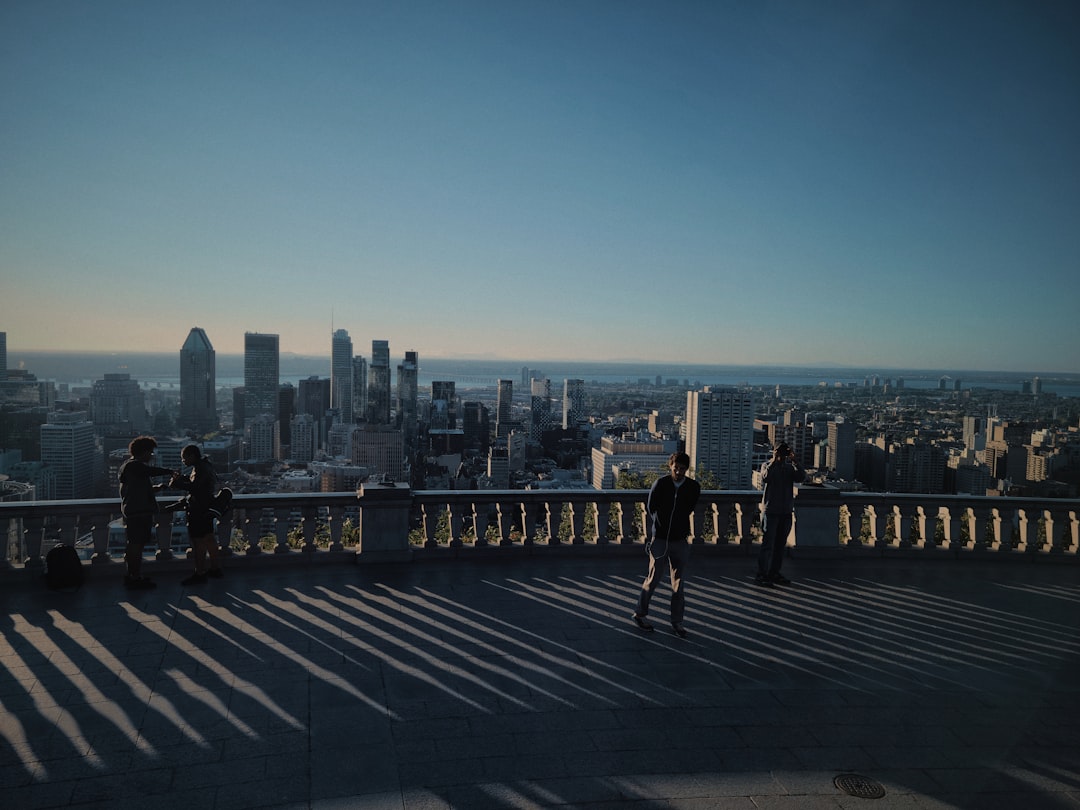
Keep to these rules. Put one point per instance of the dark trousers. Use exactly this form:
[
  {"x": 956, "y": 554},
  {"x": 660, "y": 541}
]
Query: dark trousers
[
  {"x": 775, "y": 528},
  {"x": 678, "y": 555},
  {"x": 138, "y": 531}
]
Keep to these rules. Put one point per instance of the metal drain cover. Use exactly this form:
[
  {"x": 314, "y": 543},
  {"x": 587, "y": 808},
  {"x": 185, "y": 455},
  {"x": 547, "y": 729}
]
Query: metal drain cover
[{"x": 861, "y": 786}]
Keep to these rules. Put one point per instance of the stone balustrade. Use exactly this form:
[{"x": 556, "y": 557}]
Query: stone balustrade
[{"x": 392, "y": 523}]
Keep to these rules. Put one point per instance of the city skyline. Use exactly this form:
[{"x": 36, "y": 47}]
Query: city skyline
[{"x": 891, "y": 186}]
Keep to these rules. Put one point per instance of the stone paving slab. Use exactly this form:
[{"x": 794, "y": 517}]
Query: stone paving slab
[{"x": 522, "y": 683}]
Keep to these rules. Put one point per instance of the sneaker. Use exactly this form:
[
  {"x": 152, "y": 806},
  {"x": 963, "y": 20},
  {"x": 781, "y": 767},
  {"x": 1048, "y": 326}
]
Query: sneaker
[
  {"x": 216, "y": 573},
  {"x": 642, "y": 624},
  {"x": 763, "y": 581},
  {"x": 678, "y": 630},
  {"x": 780, "y": 579},
  {"x": 139, "y": 584},
  {"x": 194, "y": 579}
]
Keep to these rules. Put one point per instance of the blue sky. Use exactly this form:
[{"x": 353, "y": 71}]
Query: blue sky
[{"x": 883, "y": 184}]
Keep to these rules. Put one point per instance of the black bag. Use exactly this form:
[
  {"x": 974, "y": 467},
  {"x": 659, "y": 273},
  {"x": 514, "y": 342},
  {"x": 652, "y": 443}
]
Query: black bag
[
  {"x": 63, "y": 568},
  {"x": 222, "y": 502}
]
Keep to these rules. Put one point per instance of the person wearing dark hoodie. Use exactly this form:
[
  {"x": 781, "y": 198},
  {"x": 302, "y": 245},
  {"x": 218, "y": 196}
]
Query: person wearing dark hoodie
[
  {"x": 670, "y": 504},
  {"x": 139, "y": 506},
  {"x": 779, "y": 477},
  {"x": 200, "y": 485}
]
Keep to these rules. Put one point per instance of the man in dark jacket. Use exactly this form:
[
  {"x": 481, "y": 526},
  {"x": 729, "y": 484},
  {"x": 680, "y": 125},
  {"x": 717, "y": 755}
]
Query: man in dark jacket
[
  {"x": 139, "y": 506},
  {"x": 779, "y": 477},
  {"x": 200, "y": 486},
  {"x": 671, "y": 502}
]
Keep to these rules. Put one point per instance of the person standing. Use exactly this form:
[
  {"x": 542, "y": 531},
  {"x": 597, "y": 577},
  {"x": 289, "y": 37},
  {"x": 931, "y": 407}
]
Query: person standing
[
  {"x": 779, "y": 477},
  {"x": 200, "y": 486},
  {"x": 139, "y": 506},
  {"x": 670, "y": 504}
]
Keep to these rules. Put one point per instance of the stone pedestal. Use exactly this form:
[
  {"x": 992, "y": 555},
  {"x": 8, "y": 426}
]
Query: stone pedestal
[{"x": 384, "y": 523}]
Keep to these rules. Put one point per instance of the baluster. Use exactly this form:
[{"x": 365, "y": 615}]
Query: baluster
[
  {"x": 455, "y": 522},
  {"x": 505, "y": 523},
  {"x": 530, "y": 517},
  {"x": 1005, "y": 525},
  {"x": 335, "y": 520},
  {"x": 603, "y": 522},
  {"x": 163, "y": 524},
  {"x": 878, "y": 515},
  {"x": 281, "y": 529},
  {"x": 34, "y": 528},
  {"x": 430, "y": 522},
  {"x": 950, "y": 527},
  {"x": 308, "y": 525},
  {"x": 1071, "y": 533},
  {"x": 100, "y": 531},
  {"x": 1055, "y": 536},
  {"x": 984, "y": 520},
  {"x": 482, "y": 513},
  {"x": 577, "y": 522}
]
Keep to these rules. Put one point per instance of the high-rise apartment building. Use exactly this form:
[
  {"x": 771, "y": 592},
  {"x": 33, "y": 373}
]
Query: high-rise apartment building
[
  {"x": 341, "y": 375},
  {"x": 574, "y": 413},
  {"x": 841, "y": 454},
  {"x": 305, "y": 438},
  {"x": 917, "y": 466},
  {"x": 261, "y": 375},
  {"x": 68, "y": 447},
  {"x": 645, "y": 457},
  {"x": 198, "y": 384},
  {"x": 379, "y": 383},
  {"x": 313, "y": 398},
  {"x": 263, "y": 436},
  {"x": 118, "y": 406},
  {"x": 720, "y": 435},
  {"x": 286, "y": 411}
]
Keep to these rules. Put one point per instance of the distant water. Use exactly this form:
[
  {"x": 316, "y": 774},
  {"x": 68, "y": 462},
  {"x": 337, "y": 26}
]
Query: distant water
[{"x": 161, "y": 369}]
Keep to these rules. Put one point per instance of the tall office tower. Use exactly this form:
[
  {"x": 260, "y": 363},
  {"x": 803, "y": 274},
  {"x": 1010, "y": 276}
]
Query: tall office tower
[
  {"x": 379, "y": 383},
  {"x": 475, "y": 424},
  {"x": 526, "y": 376},
  {"x": 305, "y": 438},
  {"x": 3, "y": 356},
  {"x": 313, "y": 398},
  {"x": 1036, "y": 386},
  {"x": 407, "y": 374},
  {"x": 720, "y": 435},
  {"x": 263, "y": 433},
  {"x": 360, "y": 392},
  {"x": 341, "y": 375},
  {"x": 67, "y": 446},
  {"x": 974, "y": 433},
  {"x": 381, "y": 449},
  {"x": 260, "y": 375},
  {"x": 503, "y": 408},
  {"x": 841, "y": 456},
  {"x": 198, "y": 384},
  {"x": 573, "y": 404},
  {"x": 286, "y": 410},
  {"x": 118, "y": 406},
  {"x": 443, "y": 405},
  {"x": 540, "y": 408}
]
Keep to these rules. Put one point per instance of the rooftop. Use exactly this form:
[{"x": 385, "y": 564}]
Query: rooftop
[{"x": 521, "y": 682}]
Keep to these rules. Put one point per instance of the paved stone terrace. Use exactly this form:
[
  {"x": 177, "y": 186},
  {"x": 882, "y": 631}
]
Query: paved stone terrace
[{"x": 522, "y": 683}]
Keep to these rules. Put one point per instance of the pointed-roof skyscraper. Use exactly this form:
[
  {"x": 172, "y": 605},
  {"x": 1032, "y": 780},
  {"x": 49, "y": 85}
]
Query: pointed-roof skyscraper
[{"x": 198, "y": 383}]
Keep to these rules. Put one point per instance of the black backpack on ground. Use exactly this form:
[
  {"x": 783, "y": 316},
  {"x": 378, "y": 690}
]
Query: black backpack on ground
[
  {"x": 222, "y": 502},
  {"x": 63, "y": 568}
]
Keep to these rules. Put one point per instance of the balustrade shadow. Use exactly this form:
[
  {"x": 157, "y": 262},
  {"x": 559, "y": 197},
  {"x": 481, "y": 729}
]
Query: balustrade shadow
[{"x": 510, "y": 683}]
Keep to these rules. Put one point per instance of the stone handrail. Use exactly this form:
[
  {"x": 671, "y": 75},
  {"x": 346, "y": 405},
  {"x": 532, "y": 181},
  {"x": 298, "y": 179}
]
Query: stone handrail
[{"x": 393, "y": 523}]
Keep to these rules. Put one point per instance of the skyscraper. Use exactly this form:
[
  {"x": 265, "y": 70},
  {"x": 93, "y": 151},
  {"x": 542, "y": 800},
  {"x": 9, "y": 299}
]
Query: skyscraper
[
  {"x": 379, "y": 383},
  {"x": 540, "y": 408},
  {"x": 260, "y": 375},
  {"x": 68, "y": 447},
  {"x": 573, "y": 403},
  {"x": 443, "y": 405},
  {"x": 720, "y": 435},
  {"x": 360, "y": 392},
  {"x": 3, "y": 356},
  {"x": 198, "y": 383},
  {"x": 503, "y": 403},
  {"x": 407, "y": 383},
  {"x": 841, "y": 455},
  {"x": 341, "y": 375},
  {"x": 118, "y": 406}
]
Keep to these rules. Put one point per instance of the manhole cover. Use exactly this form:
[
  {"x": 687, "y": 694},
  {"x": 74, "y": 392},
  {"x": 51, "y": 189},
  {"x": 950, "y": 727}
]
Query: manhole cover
[{"x": 855, "y": 785}]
